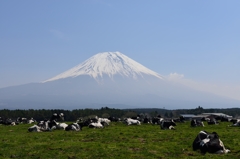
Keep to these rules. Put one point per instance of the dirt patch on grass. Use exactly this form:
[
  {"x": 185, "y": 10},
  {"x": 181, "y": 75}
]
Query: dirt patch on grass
[
  {"x": 134, "y": 149},
  {"x": 142, "y": 140}
]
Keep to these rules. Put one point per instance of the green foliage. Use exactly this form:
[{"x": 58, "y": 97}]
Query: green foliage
[
  {"x": 69, "y": 115},
  {"x": 73, "y": 115},
  {"x": 115, "y": 141}
]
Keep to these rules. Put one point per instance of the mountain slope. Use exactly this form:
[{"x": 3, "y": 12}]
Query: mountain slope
[{"x": 109, "y": 63}]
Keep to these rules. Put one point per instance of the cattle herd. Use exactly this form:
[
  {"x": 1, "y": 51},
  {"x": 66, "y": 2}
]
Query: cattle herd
[{"x": 204, "y": 141}]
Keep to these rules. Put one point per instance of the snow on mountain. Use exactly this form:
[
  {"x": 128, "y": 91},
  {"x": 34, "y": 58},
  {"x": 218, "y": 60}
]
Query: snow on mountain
[{"x": 110, "y": 64}]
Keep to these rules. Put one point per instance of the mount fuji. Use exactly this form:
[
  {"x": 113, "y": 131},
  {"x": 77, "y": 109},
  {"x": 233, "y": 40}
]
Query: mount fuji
[{"x": 108, "y": 79}]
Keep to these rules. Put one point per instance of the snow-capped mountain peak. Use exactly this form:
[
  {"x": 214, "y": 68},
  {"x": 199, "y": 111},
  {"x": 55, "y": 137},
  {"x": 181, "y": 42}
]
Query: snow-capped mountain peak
[{"x": 109, "y": 63}]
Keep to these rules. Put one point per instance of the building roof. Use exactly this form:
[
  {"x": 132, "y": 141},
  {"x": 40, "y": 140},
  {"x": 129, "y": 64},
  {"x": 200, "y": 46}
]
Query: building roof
[
  {"x": 188, "y": 115},
  {"x": 217, "y": 114}
]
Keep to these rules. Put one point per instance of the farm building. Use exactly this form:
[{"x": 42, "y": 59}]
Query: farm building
[
  {"x": 205, "y": 115},
  {"x": 188, "y": 116},
  {"x": 214, "y": 115}
]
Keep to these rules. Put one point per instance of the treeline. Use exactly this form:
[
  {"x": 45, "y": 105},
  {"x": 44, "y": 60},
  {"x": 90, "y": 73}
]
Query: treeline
[{"x": 72, "y": 115}]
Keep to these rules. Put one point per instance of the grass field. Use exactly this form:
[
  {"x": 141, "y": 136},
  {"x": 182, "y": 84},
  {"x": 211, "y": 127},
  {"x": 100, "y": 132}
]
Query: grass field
[{"x": 116, "y": 141}]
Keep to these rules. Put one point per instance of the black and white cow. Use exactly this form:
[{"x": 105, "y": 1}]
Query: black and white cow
[
  {"x": 114, "y": 119},
  {"x": 104, "y": 121},
  {"x": 96, "y": 125},
  {"x": 83, "y": 123},
  {"x": 130, "y": 121},
  {"x": 22, "y": 120},
  {"x": 35, "y": 128},
  {"x": 156, "y": 120},
  {"x": 236, "y": 122},
  {"x": 73, "y": 127},
  {"x": 224, "y": 118},
  {"x": 56, "y": 116},
  {"x": 209, "y": 142},
  {"x": 8, "y": 121},
  {"x": 205, "y": 119},
  {"x": 47, "y": 125},
  {"x": 167, "y": 124},
  {"x": 59, "y": 126},
  {"x": 30, "y": 121},
  {"x": 195, "y": 122},
  {"x": 213, "y": 121}
]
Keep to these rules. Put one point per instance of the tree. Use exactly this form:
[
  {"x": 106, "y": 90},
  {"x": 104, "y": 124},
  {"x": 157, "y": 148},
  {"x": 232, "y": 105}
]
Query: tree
[{"x": 105, "y": 115}]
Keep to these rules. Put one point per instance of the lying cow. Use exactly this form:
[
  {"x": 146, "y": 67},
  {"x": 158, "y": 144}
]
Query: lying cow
[
  {"x": 22, "y": 120},
  {"x": 209, "y": 142},
  {"x": 59, "y": 126},
  {"x": 30, "y": 121},
  {"x": 73, "y": 127},
  {"x": 34, "y": 128},
  {"x": 130, "y": 121},
  {"x": 236, "y": 123},
  {"x": 104, "y": 120},
  {"x": 213, "y": 121},
  {"x": 195, "y": 123},
  {"x": 167, "y": 124},
  {"x": 156, "y": 120},
  {"x": 47, "y": 125},
  {"x": 96, "y": 125}
]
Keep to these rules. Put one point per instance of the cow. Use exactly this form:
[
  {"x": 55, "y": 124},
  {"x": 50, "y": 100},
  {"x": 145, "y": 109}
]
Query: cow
[
  {"x": 104, "y": 120},
  {"x": 84, "y": 123},
  {"x": 165, "y": 124},
  {"x": 22, "y": 120},
  {"x": 147, "y": 120},
  {"x": 224, "y": 118},
  {"x": 181, "y": 119},
  {"x": 213, "y": 121},
  {"x": 114, "y": 119},
  {"x": 30, "y": 121},
  {"x": 209, "y": 142},
  {"x": 34, "y": 128},
  {"x": 47, "y": 125},
  {"x": 205, "y": 119},
  {"x": 8, "y": 121},
  {"x": 130, "y": 121},
  {"x": 96, "y": 125},
  {"x": 236, "y": 122},
  {"x": 40, "y": 127},
  {"x": 156, "y": 120},
  {"x": 93, "y": 119},
  {"x": 73, "y": 127},
  {"x": 59, "y": 126},
  {"x": 56, "y": 116},
  {"x": 195, "y": 123}
]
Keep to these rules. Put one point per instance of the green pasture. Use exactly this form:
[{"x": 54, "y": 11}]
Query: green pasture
[{"x": 117, "y": 141}]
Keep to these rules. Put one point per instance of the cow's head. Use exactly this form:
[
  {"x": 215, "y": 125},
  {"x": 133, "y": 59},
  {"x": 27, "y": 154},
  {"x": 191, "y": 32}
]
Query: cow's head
[
  {"x": 173, "y": 123},
  {"x": 61, "y": 115}
]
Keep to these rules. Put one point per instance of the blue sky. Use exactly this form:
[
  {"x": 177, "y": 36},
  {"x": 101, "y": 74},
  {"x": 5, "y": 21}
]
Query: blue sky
[{"x": 196, "y": 39}]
